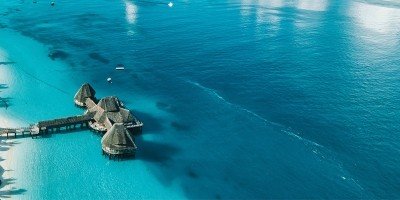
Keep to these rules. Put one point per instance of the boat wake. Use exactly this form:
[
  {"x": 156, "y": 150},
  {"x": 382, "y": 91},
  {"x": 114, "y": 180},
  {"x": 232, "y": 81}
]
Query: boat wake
[
  {"x": 288, "y": 131},
  {"x": 215, "y": 93},
  {"x": 317, "y": 149}
]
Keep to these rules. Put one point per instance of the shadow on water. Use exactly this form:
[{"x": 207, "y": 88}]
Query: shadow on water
[
  {"x": 12, "y": 192},
  {"x": 5, "y": 102},
  {"x": 8, "y": 193},
  {"x": 152, "y": 124},
  {"x": 6, "y": 63},
  {"x": 165, "y": 106},
  {"x": 178, "y": 126},
  {"x": 155, "y": 152}
]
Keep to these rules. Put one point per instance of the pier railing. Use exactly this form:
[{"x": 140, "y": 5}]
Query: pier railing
[
  {"x": 43, "y": 127},
  {"x": 67, "y": 123}
]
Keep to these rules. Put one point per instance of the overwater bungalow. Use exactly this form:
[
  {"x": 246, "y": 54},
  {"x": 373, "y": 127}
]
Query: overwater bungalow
[
  {"x": 84, "y": 93},
  {"x": 118, "y": 142},
  {"x": 108, "y": 116},
  {"x": 109, "y": 111}
]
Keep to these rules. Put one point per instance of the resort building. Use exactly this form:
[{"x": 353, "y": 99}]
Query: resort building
[
  {"x": 85, "y": 92},
  {"x": 107, "y": 116},
  {"x": 109, "y": 111},
  {"x": 110, "y": 116},
  {"x": 118, "y": 142}
]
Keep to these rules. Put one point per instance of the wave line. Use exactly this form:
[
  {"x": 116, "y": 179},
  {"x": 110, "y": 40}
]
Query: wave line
[{"x": 288, "y": 131}]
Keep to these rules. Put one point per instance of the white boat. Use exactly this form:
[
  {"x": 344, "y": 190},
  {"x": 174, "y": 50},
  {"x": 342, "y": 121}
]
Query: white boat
[
  {"x": 120, "y": 67},
  {"x": 109, "y": 80}
]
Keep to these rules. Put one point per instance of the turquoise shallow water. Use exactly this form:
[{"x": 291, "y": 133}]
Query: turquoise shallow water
[{"x": 240, "y": 99}]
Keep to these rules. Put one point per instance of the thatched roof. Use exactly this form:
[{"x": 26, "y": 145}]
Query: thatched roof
[
  {"x": 90, "y": 103},
  {"x": 122, "y": 116},
  {"x": 111, "y": 108},
  {"x": 86, "y": 91},
  {"x": 118, "y": 140},
  {"x": 100, "y": 115},
  {"x": 110, "y": 104}
]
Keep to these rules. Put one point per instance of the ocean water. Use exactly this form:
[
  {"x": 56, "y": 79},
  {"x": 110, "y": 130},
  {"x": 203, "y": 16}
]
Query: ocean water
[{"x": 240, "y": 99}]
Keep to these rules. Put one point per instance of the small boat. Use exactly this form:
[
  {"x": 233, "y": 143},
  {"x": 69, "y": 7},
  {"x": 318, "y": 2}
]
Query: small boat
[
  {"x": 109, "y": 80},
  {"x": 120, "y": 67},
  {"x": 170, "y": 4}
]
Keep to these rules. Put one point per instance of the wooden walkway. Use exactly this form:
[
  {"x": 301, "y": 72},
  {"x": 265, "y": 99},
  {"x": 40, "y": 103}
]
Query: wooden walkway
[
  {"x": 23, "y": 131},
  {"x": 66, "y": 123},
  {"x": 43, "y": 127}
]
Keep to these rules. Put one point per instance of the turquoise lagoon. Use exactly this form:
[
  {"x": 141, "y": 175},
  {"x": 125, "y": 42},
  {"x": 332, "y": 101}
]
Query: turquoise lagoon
[{"x": 240, "y": 99}]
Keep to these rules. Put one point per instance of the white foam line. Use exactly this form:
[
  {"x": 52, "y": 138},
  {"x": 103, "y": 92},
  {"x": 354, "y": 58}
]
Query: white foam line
[
  {"x": 285, "y": 130},
  {"x": 222, "y": 98},
  {"x": 347, "y": 176},
  {"x": 291, "y": 133}
]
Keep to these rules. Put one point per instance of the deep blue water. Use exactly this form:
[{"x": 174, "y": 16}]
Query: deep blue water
[{"x": 263, "y": 99}]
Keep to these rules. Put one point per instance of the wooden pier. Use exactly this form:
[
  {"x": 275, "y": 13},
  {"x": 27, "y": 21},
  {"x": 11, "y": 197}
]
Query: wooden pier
[
  {"x": 107, "y": 116},
  {"x": 44, "y": 127},
  {"x": 67, "y": 123},
  {"x": 23, "y": 131}
]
